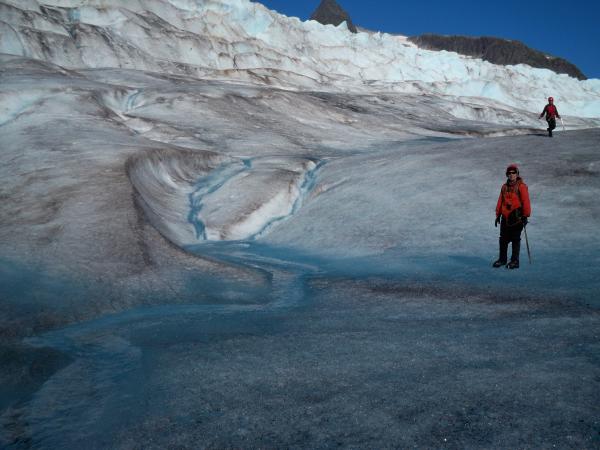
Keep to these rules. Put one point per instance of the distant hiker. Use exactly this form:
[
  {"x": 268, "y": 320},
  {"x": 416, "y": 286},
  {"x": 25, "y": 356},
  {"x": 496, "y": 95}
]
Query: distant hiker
[
  {"x": 512, "y": 210},
  {"x": 551, "y": 114}
]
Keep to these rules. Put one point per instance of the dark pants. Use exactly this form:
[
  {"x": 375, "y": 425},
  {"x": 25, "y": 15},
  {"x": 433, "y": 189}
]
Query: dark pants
[
  {"x": 551, "y": 125},
  {"x": 510, "y": 234}
]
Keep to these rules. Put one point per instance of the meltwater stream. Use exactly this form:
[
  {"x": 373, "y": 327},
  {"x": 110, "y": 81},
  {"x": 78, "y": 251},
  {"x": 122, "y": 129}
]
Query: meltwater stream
[{"x": 103, "y": 388}]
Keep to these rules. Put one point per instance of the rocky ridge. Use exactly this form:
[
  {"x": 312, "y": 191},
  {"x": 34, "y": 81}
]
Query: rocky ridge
[{"x": 498, "y": 51}]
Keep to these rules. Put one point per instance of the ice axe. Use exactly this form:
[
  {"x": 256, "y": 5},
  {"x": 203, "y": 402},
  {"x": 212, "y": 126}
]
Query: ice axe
[{"x": 527, "y": 243}]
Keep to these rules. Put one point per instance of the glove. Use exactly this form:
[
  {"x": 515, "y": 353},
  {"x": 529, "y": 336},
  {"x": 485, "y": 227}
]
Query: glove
[
  {"x": 524, "y": 221},
  {"x": 497, "y": 221}
]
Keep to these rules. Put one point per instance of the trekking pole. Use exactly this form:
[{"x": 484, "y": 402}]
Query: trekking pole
[
  {"x": 527, "y": 243},
  {"x": 563, "y": 124}
]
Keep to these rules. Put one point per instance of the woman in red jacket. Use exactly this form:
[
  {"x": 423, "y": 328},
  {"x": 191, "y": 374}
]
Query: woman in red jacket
[
  {"x": 512, "y": 210},
  {"x": 551, "y": 114}
]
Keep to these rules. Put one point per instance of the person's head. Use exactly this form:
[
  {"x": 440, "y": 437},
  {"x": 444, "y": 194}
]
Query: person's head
[
  {"x": 512, "y": 172},
  {"x": 550, "y": 100}
]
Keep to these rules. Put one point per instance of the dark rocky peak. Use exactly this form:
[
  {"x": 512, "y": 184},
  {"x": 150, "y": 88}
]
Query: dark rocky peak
[
  {"x": 330, "y": 12},
  {"x": 497, "y": 51}
]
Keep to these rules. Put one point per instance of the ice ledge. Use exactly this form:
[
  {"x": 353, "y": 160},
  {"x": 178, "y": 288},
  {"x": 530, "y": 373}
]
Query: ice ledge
[
  {"x": 196, "y": 196},
  {"x": 244, "y": 200}
]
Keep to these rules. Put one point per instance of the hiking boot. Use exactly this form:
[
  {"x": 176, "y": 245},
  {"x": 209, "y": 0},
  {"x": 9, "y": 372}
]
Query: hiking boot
[
  {"x": 550, "y": 133},
  {"x": 513, "y": 265},
  {"x": 499, "y": 263}
]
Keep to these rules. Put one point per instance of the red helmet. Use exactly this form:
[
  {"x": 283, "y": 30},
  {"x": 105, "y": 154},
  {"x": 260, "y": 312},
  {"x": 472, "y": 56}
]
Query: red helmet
[
  {"x": 512, "y": 167},
  {"x": 550, "y": 99}
]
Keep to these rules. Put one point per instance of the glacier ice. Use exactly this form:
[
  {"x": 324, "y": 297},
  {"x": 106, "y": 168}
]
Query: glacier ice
[
  {"x": 213, "y": 37},
  {"x": 228, "y": 228}
]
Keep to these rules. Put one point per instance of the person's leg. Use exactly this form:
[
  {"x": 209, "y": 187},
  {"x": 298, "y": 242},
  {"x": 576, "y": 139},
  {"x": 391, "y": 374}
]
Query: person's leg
[
  {"x": 551, "y": 126},
  {"x": 515, "y": 238},
  {"x": 514, "y": 258},
  {"x": 503, "y": 241}
]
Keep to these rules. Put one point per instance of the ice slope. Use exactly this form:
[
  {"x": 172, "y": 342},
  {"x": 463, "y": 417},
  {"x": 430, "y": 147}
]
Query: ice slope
[{"x": 243, "y": 40}]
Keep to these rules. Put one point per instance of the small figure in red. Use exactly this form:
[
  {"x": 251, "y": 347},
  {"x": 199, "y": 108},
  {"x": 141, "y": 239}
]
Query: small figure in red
[{"x": 551, "y": 114}]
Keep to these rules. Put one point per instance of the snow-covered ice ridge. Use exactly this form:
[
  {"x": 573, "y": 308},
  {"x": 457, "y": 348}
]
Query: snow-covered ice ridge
[{"x": 244, "y": 41}]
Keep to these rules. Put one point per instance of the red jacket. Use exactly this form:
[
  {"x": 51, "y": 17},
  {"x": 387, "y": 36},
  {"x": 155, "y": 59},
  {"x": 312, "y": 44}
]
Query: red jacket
[
  {"x": 513, "y": 197},
  {"x": 551, "y": 111}
]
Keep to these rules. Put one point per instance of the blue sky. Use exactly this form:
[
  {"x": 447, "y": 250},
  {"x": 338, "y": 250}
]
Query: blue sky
[{"x": 569, "y": 29}]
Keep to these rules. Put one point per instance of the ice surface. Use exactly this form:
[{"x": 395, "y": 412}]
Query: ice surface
[
  {"x": 220, "y": 227},
  {"x": 239, "y": 201},
  {"x": 9, "y": 41},
  {"x": 163, "y": 181}
]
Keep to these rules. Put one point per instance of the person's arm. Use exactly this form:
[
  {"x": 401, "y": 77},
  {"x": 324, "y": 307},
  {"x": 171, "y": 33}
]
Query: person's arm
[
  {"x": 557, "y": 114},
  {"x": 544, "y": 111},
  {"x": 499, "y": 204},
  {"x": 526, "y": 204}
]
